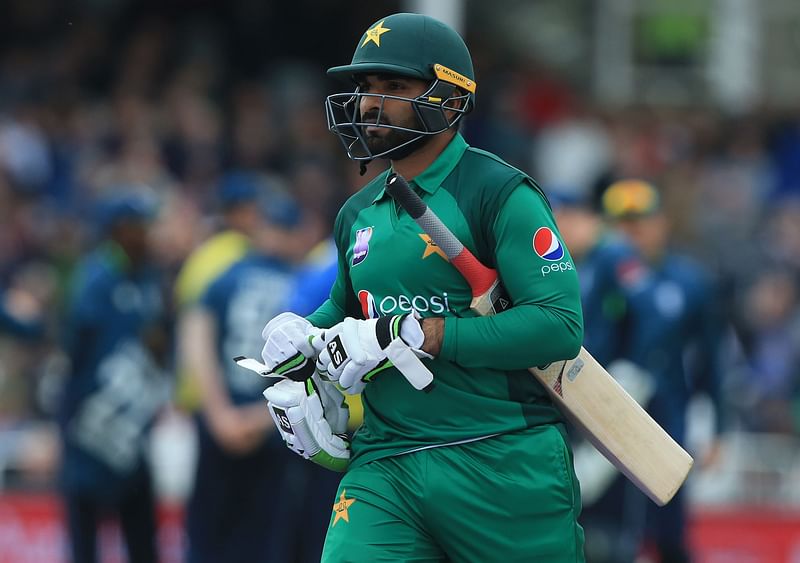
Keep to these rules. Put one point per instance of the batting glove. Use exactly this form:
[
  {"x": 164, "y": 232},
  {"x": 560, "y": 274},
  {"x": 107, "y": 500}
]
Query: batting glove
[
  {"x": 356, "y": 351},
  {"x": 311, "y": 417},
  {"x": 289, "y": 349}
]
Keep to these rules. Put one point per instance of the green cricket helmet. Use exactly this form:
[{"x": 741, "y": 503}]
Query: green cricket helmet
[{"x": 413, "y": 46}]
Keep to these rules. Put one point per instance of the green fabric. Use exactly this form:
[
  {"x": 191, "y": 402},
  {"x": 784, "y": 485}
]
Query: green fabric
[
  {"x": 482, "y": 384},
  {"x": 545, "y": 322},
  {"x": 434, "y": 175},
  {"x": 509, "y": 498}
]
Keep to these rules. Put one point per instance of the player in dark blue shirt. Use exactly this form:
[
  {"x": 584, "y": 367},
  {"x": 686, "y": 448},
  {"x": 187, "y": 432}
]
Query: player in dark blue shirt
[
  {"x": 611, "y": 274},
  {"x": 116, "y": 343},
  {"x": 315, "y": 278},
  {"x": 237, "y": 508},
  {"x": 675, "y": 337}
]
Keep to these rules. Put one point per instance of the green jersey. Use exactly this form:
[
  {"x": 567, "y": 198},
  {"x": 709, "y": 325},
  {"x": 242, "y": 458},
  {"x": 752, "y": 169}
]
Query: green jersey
[{"x": 387, "y": 265}]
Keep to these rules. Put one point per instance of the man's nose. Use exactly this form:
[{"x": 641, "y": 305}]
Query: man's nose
[{"x": 370, "y": 105}]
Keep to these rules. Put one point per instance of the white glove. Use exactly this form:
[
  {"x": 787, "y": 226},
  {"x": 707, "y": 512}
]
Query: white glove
[
  {"x": 311, "y": 417},
  {"x": 357, "y": 350},
  {"x": 289, "y": 350}
]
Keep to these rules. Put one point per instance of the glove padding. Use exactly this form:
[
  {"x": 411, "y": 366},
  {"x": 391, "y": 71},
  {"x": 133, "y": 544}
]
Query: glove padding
[
  {"x": 357, "y": 350},
  {"x": 311, "y": 417},
  {"x": 289, "y": 349}
]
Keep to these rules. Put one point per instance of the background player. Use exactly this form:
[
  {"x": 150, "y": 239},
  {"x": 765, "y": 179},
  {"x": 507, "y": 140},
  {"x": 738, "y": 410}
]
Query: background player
[
  {"x": 609, "y": 270},
  {"x": 675, "y": 337},
  {"x": 249, "y": 496},
  {"x": 116, "y": 386},
  {"x": 611, "y": 273}
]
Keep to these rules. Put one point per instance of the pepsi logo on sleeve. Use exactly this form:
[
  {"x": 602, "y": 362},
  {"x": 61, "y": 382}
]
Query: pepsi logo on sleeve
[{"x": 546, "y": 245}]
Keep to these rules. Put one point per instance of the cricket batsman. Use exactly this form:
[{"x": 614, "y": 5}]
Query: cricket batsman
[{"x": 477, "y": 468}]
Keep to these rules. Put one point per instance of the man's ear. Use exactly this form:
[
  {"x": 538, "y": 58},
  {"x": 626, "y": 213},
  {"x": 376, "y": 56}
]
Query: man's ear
[
  {"x": 458, "y": 100},
  {"x": 449, "y": 98}
]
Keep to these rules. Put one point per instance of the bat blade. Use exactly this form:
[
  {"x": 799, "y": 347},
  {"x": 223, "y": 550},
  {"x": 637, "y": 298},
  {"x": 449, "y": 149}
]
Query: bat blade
[
  {"x": 617, "y": 425},
  {"x": 583, "y": 390}
]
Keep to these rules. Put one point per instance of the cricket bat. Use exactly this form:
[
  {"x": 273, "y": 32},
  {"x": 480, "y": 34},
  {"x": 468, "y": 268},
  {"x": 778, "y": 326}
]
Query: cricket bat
[{"x": 584, "y": 391}]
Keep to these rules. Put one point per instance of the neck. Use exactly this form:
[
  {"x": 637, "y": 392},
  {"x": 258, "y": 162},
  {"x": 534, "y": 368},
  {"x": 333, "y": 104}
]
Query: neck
[{"x": 415, "y": 164}]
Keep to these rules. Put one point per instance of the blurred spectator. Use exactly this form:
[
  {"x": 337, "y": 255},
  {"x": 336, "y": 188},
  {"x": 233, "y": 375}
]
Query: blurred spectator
[
  {"x": 611, "y": 274},
  {"x": 240, "y": 219},
  {"x": 118, "y": 351},
  {"x": 609, "y": 269},
  {"x": 771, "y": 336},
  {"x": 254, "y": 138},
  {"x": 297, "y": 223},
  {"x": 193, "y": 147},
  {"x": 571, "y": 153},
  {"x": 676, "y": 318},
  {"x": 26, "y": 455},
  {"x": 242, "y": 500},
  {"x": 780, "y": 233},
  {"x": 24, "y": 152},
  {"x": 20, "y": 314},
  {"x": 735, "y": 183},
  {"x": 240, "y": 216},
  {"x": 785, "y": 154}
]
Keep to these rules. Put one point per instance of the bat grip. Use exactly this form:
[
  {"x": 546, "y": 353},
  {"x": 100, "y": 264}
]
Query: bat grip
[
  {"x": 479, "y": 277},
  {"x": 419, "y": 211},
  {"x": 402, "y": 193}
]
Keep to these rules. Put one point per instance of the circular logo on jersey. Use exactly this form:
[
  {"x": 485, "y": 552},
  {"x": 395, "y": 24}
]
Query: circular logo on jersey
[
  {"x": 546, "y": 245},
  {"x": 368, "y": 304}
]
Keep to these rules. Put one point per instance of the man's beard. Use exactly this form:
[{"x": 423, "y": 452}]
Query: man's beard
[{"x": 393, "y": 142}]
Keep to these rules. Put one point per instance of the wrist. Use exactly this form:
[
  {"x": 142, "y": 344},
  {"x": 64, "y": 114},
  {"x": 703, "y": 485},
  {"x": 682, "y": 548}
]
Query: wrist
[{"x": 433, "y": 330}]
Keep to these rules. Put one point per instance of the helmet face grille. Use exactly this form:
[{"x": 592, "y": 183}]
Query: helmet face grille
[{"x": 431, "y": 108}]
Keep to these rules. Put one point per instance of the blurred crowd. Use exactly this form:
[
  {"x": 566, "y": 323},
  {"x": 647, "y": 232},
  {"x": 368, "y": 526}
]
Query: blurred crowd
[
  {"x": 175, "y": 131},
  {"x": 162, "y": 112}
]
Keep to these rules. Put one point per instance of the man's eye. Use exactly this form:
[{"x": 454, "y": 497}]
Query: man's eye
[{"x": 395, "y": 86}]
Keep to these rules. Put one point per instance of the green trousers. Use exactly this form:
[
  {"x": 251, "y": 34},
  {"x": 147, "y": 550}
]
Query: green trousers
[{"x": 513, "y": 497}]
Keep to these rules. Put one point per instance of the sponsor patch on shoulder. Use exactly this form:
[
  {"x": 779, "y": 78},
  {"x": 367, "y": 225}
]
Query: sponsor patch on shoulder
[{"x": 546, "y": 245}]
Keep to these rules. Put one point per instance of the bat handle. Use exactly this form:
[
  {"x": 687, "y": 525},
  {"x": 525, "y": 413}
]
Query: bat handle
[
  {"x": 482, "y": 280},
  {"x": 401, "y": 192}
]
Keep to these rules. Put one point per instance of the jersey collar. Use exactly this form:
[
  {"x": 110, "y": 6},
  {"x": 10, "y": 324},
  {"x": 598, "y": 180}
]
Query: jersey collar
[{"x": 433, "y": 176}]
